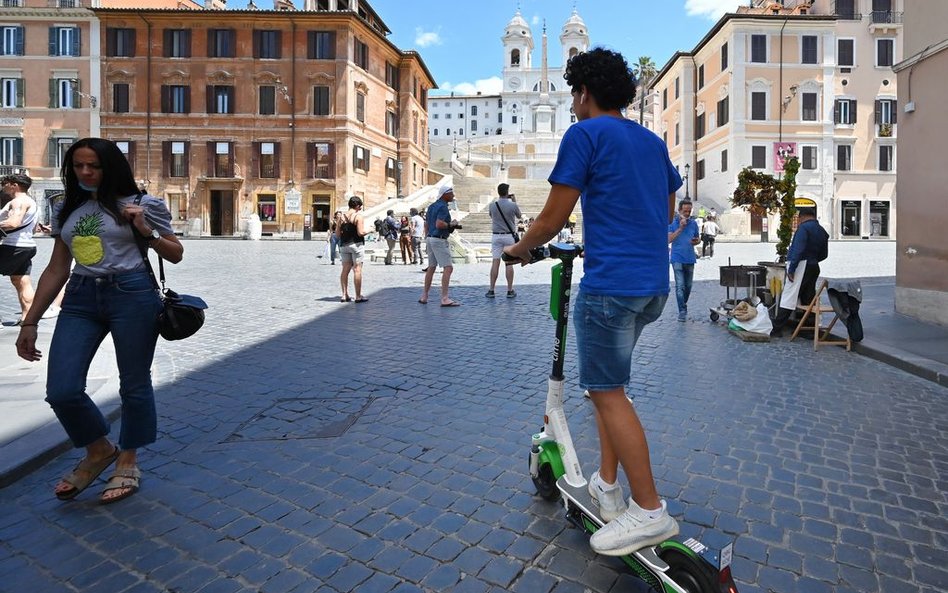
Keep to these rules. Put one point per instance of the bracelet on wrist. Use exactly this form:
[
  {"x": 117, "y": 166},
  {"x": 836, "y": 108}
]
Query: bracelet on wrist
[{"x": 29, "y": 325}]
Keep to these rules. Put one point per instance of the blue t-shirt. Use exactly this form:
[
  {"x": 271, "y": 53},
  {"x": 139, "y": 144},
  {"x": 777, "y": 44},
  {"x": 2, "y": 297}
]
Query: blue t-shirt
[
  {"x": 625, "y": 176},
  {"x": 682, "y": 251},
  {"x": 438, "y": 211}
]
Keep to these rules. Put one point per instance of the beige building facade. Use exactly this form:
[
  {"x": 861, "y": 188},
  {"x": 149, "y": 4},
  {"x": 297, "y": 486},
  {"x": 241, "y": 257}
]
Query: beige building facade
[
  {"x": 813, "y": 80},
  {"x": 279, "y": 115},
  {"x": 922, "y": 247}
]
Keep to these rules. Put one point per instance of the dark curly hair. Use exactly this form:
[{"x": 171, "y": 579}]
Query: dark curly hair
[{"x": 605, "y": 74}]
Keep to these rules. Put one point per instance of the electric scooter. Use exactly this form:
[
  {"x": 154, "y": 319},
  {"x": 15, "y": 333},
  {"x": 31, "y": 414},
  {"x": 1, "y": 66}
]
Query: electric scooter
[{"x": 669, "y": 567}]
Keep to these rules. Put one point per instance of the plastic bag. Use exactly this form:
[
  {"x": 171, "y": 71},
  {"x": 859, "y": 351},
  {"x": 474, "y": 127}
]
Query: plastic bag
[{"x": 760, "y": 323}]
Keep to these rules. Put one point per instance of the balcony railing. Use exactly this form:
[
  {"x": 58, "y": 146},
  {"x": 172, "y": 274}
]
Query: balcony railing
[{"x": 880, "y": 17}]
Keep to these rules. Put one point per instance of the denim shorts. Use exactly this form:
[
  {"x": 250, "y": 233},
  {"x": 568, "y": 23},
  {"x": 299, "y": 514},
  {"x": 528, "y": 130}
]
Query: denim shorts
[{"x": 607, "y": 328}]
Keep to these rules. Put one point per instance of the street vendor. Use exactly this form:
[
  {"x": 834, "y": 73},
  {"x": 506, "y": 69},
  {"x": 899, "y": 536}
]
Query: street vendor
[{"x": 808, "y": 248}]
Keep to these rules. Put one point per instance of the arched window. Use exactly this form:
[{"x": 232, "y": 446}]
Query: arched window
[
  {"x": 573, "y": 51},
  {"x": 515, "y": 57}
]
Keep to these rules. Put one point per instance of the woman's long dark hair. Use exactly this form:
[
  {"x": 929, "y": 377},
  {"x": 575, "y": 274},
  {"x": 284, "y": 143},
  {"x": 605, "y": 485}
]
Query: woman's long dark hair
[{"x": 117, "y": 179}]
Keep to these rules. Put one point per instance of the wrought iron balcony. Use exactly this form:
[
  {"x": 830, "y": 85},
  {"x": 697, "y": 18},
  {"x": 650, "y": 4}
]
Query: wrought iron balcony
[{"x": 884, "y": 17}]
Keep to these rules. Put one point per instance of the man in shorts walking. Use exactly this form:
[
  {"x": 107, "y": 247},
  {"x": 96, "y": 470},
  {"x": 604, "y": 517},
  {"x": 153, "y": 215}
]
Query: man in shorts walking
[
  {"x": 624, "y": 175},
  {"x": 439, "y": 227},
  {"x": 504, "y": 214},
  {"x": 17, "y": 247}
]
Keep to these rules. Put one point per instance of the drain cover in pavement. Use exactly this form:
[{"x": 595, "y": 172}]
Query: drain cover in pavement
[{"x": 290, "y": 419}]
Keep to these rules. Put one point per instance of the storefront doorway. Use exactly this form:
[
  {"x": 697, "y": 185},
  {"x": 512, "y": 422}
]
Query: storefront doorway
[
  {"x": 878, "y": 218},
  {"x": 851, "y": 219},
  {"x": 222, "y": 212},
  {"x": 322, "y": 216}
]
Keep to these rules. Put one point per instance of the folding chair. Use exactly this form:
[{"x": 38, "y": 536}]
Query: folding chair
[{"x": 812, "y": 313}]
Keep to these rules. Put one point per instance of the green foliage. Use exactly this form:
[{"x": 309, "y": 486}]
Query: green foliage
[{"x": 762, "y": 194}]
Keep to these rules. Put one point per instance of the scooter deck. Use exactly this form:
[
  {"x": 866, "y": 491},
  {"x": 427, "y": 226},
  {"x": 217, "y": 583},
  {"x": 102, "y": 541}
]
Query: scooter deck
[{"x": 581, "y": 501}]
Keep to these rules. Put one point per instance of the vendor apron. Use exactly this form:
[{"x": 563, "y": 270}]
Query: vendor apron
[{"x": 791, "y": 288}]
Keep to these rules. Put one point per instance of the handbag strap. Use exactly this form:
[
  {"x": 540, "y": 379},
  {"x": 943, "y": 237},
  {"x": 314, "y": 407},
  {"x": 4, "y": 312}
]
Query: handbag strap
[{"x": 143, "y": 249}]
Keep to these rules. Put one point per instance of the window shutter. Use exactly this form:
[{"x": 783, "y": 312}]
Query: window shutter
[
  {"x": 895, "y": 109},
  {"x": 168, "y": 37},
  {"x": 232, "y": 154},
  {"x": 110, "y": 34},
  {"x": 132, "y": 36},
  {"x": 187, "y": 99},
  {"x": 76, "y": 44},
  {"x": 256, "y": 43},
  {"x": 310, "y": 45},
  {"x": 52, "y": 93},
  {"x": 310, "y": 160},
  {"x": 255, "y": 159},
  {"x": 355, "y": 156},
  {"x": 209, "y": 93},
  {"x": 878, "y": 111},
  {"x": 852, "y": 111},
  {"x": 187, "y": 158},
  {"x": 210, "y": 159},
  {"x": 231, "y": 100},
  {"x": 332, "y": 160},
  {"x": 76, "y": 97},
  {"x": 20, "y": 91},
  {"x": 165, "y": 98},
  {"x": 51, "y": 146},
  {"x": 166, "y": 158},
  {"x": 18, "y": 151},
  {"x": 211, "y": 34},
  {"x": 186, "y": 40},
  {"x": 836, "y": 114},
  {"x": 53, "y": 37},
  {"x": 276, "y": 160},
  {"x": 19, "y": 41}
]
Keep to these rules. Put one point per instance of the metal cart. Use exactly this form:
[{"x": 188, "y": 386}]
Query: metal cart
[{"x": 734, "y": 278}]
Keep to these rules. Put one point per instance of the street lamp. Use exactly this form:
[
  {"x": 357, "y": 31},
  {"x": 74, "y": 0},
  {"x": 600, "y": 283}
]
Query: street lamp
[
  {"x": 687, "y": 169},
  {"x": 501, "y": 155}
]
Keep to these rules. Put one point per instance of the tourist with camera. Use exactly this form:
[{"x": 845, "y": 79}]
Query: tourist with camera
[{"x": 438, "y": 227}]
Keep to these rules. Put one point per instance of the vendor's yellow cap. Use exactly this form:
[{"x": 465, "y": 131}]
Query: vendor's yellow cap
[{"x": 804, "y": 203}]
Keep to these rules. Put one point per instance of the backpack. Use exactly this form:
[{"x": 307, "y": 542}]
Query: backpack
[{"x": 380, "y": 227}]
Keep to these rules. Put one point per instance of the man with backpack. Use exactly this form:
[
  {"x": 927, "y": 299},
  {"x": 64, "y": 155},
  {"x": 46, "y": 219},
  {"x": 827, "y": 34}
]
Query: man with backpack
[
  {"x": 390, "y": 232},
  {"x": 504, "y": 214}
]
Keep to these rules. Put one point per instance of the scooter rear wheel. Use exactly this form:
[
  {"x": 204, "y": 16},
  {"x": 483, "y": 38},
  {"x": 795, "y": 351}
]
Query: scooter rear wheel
[
  {"x": 545, "y": 483},
  {"x": 688, "y": 573}
]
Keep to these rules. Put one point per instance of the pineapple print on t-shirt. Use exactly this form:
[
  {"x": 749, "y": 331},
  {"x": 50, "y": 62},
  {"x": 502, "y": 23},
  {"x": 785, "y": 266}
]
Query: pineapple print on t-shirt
[{"x": 86, "y": 244}]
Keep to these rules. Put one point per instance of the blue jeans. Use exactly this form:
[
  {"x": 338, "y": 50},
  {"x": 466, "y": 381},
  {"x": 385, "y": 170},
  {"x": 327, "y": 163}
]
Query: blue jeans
[
  {"x": 127, "y": 306},
  {"x": 684, "y": 274},
  {"x": 607, "y": 329},
  {"x": 333, "y": 247}
]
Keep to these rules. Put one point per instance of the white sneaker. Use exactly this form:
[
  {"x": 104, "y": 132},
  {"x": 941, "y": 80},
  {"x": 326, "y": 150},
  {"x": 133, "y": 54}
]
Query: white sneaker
[
  {"x": 607, "y": 496},
  {"x": 633, "y": 530},
  {"x": 53, "y": 311}
]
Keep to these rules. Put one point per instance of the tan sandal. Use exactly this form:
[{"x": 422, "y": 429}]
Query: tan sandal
[
  {"x": 123, "y": 478},
  {"x": 84, "y": 474}
]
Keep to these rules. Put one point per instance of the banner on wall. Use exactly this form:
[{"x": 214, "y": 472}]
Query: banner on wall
[
  {"x": 782, "y": 152},
  {"x": 292, "y": 202}
]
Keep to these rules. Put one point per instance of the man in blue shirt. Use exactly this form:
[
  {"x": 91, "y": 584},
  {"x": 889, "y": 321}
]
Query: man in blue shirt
[
  {"x": 809, "y": 247},
  {"x": 625, "y": 178},
  {"x": 683, "y": 236},
  {"x": 438, "y": 227}
]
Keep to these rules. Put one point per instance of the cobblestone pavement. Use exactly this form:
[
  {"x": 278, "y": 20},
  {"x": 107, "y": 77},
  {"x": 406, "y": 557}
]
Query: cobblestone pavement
[{"x": 308, "y": 445}]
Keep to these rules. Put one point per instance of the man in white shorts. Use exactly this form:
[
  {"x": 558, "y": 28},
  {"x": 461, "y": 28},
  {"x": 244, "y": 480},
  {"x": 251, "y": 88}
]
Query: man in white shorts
[
  {"x": 439, "y": 227},
  {"x": 504, "y": 214}
]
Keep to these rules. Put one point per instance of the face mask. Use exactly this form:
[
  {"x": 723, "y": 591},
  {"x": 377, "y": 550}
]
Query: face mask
[{"x": 87, "y": 187}]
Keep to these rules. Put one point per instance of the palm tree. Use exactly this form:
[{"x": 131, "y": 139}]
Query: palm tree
[{"x": 645, "y": 71}]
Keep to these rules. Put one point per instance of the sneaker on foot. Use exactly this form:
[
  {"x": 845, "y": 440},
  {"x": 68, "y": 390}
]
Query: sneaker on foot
[
  {"x": 682, "y": 318},
  {"x": 53, "y": 311},
  {"x": 511, "y": 294},
  {"x": 633, "y": 530},
  {"x": 607, "y": 496},
  {"x": 490, "y": 294}
]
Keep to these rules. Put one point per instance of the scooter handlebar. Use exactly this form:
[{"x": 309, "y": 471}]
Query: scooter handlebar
[{"x": 560, "y": 251}]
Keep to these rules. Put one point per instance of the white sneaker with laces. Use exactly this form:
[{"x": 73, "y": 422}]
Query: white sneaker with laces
[
  {"x": 607, "y": 496},
  {"x": 633, "y": 530},
  {"x": 53, "y": 311}
]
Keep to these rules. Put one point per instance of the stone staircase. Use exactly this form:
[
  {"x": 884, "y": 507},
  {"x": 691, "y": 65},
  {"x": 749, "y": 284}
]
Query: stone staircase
[{"x": 474, "y": 194}]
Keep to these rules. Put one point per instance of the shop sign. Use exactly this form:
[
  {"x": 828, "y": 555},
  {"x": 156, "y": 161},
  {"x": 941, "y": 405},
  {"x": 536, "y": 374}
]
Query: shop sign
[{"x": 292, "y": 202}]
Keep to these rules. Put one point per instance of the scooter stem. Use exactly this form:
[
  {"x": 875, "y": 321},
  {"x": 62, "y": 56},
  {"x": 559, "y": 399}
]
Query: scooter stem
[{"x": 558, "y": 429}]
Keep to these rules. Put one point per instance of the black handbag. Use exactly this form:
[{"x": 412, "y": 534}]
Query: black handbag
[{"x": 182, "y": 315}]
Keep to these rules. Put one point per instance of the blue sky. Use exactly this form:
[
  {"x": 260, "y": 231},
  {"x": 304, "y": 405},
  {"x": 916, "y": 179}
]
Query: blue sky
[{"x": 460, "y": 40}]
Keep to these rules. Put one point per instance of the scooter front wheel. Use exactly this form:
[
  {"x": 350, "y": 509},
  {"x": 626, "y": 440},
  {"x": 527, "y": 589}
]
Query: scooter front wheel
[
  {"x": 688, "y": 573},
  {"x": 545, "y": 482}
]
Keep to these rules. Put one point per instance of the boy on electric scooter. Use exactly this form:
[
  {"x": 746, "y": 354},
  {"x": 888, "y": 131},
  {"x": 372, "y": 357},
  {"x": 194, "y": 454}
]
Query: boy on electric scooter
[{"x": 625, "y": 178}]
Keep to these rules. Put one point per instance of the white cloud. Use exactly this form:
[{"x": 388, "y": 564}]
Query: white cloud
[
  {"x": 535, "y": 20},
  {"x": 486, "y": 86},
  {"x": 712, "y": 9},
  {"x": 425, "y": 38}
]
